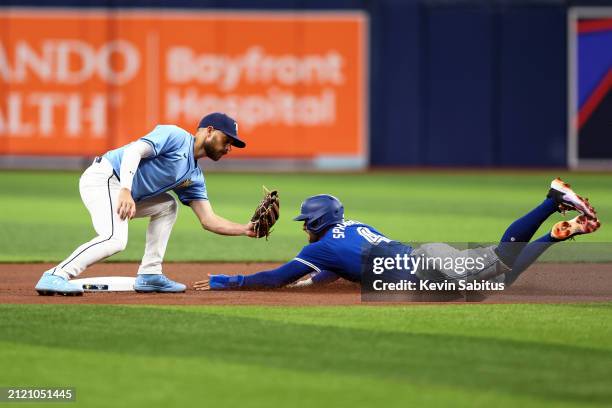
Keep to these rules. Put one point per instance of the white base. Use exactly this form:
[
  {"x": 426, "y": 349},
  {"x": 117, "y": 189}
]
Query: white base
[{"x": 106, "y": 284}]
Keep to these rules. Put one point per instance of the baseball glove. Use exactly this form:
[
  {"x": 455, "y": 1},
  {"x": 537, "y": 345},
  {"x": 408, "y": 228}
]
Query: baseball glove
[{"x": 266, "y": 214}]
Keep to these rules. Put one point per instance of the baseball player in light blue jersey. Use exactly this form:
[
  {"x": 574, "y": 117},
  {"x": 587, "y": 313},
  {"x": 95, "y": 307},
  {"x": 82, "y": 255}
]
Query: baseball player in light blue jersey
[
  {"x": 134, "y": 181},
  {"x": 341, "y": 248}
]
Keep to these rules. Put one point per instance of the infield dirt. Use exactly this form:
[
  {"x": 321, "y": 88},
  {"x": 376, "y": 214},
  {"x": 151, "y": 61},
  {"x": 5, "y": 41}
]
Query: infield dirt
[{"x": 542, "y": 283}]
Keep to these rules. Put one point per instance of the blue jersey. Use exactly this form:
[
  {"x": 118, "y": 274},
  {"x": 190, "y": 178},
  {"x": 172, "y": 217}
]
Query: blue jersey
[
  {"x": 343, "y": 248},
  {"x": 171, "y": 167},
  {"x": 345, "y": 251}
]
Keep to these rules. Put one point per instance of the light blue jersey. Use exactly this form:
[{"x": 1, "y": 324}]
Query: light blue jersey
[{"x": 172, "y": 166}]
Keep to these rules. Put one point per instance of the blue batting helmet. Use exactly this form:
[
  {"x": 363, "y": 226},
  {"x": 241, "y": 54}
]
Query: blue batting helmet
[{"x": 321, "y": 211}]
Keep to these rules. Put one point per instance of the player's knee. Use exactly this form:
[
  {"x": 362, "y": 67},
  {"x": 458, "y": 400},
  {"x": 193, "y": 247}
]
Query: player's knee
[{"x": 115, "y": 244}]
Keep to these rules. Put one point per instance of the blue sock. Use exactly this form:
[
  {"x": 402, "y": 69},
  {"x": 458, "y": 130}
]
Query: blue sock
[
  {"x": 529, "y": 255},
  {"x": 521, "y": 231}
]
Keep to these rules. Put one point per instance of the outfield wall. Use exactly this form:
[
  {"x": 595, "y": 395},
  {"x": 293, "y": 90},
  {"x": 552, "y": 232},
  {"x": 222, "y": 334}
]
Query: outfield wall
[{"x": 431, "y": 83}]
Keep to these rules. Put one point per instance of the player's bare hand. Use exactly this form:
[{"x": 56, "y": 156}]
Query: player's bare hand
[
  {"x": 249, "y": 232},
  {"x": 204, "y": 284},
  {"x": 126, "y": 207}
]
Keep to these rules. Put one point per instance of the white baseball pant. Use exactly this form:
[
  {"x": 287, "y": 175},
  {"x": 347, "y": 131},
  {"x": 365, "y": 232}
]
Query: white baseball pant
[{"x": 99, "y": 189}]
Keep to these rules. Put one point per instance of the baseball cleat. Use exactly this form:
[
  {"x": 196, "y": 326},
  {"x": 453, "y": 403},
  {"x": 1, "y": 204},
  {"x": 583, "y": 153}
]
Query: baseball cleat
[
  {"x": 49, "y": 285},
  {"x": 157, "y": 283},
  {"x": 567, "y": 199},
  {"x": 577, "y": 226}
]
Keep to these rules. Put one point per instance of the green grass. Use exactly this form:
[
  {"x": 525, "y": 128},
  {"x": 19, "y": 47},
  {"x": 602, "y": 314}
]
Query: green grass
[
  {"x": 43, "y": 219},
  {"x": 430, "y": 356},
  {"x": 461, "y": 356}
]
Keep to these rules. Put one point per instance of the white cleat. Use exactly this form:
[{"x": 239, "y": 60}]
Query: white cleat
[{"x": 567, "y": 199}]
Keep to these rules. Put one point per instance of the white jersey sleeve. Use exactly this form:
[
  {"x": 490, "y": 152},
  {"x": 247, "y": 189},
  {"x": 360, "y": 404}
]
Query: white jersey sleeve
[{"x": 132, "y": 155}]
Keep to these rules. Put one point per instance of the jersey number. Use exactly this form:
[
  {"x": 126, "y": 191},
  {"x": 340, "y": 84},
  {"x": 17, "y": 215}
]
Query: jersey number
[{"x": 371, "y": 237}]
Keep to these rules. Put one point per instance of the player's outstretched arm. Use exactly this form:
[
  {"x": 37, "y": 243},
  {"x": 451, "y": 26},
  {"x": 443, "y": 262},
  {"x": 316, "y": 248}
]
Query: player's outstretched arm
[
  {"x": 275, "y": 278},
  {"x": 219, "y": 225}
]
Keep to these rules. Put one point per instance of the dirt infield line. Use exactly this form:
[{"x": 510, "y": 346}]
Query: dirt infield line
[{"x": 542, "y": 283}]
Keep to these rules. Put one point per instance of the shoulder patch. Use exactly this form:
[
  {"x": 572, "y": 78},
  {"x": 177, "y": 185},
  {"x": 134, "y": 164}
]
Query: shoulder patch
[{"x": 185, "y": 184}]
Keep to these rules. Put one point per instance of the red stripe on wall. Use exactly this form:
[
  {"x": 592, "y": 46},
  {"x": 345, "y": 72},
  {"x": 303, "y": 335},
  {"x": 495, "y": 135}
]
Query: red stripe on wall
[
  {"x": 590, "y": 26},
  {"x": 595, "y": 99}
]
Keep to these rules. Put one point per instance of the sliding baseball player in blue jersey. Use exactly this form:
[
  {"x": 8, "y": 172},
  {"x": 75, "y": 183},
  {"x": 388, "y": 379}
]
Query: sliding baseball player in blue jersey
[
  {"x": 337, "y": 247},
  {"x": 134, "y": 181}
]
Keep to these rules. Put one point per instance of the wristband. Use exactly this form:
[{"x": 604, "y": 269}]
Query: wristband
[{"x": 220, "y": 282}]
